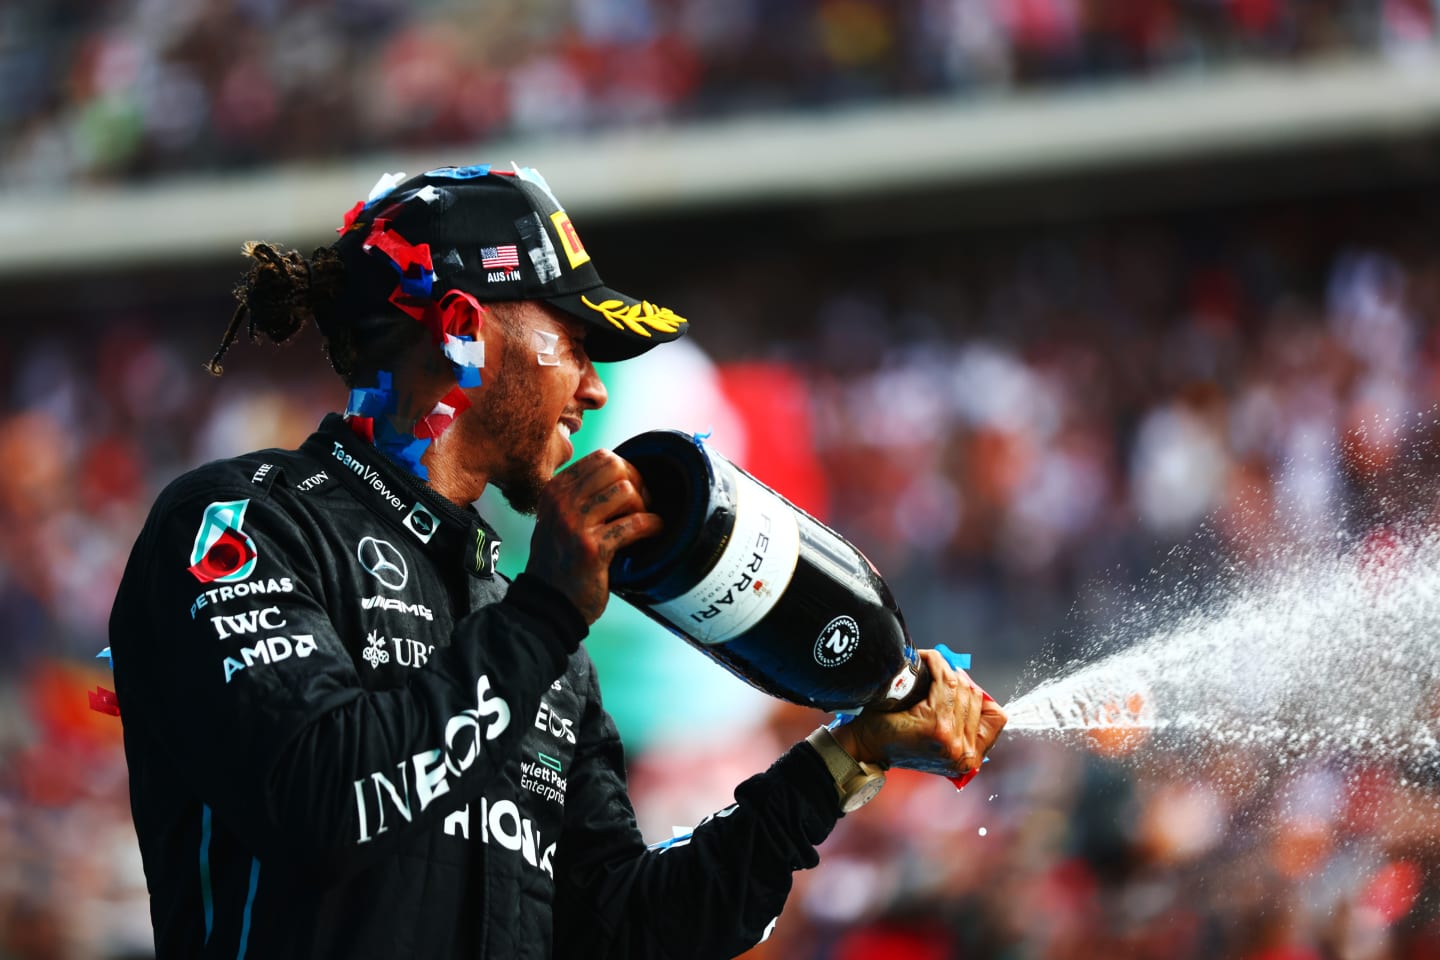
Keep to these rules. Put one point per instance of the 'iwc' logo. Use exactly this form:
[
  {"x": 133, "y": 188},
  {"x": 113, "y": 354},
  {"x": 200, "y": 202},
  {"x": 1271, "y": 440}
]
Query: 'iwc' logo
[{"x": 837, "y": 642}]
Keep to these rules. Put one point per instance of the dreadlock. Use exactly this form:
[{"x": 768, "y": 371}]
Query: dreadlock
[{"x": 281, "y": 292}]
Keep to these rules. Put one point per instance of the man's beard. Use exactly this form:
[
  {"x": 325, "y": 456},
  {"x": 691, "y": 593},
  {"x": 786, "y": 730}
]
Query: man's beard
[
  {"x": 511, "y": 415},
  {"x": 522, "y": 493}
]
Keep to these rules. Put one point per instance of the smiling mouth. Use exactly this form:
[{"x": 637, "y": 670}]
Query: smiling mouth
[{"x": 569, "y": 426}]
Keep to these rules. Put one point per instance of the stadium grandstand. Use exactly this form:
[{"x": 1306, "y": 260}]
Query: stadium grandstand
[{"x": 1059, "y": 309}]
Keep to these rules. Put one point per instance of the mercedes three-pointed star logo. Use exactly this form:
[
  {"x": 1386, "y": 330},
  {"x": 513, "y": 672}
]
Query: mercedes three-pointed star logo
[{"x": 383, "y": 562}]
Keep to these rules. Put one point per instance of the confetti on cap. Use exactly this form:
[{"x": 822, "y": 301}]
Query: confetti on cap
[
  {"x": 416, "y": 285},
  {"x": 383, "y": 186},
  {"x": 351, "y": 216},
  {"x": 410, "y": 260},
  {"x": 531, "y": 175},
  {"x": 460, "y": 173},
  {"x": 377, "y": 237}
]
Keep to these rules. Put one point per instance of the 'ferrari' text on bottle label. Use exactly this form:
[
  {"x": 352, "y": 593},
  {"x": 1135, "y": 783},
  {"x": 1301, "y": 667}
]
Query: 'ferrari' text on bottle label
[{"x": 751, "y": 575}]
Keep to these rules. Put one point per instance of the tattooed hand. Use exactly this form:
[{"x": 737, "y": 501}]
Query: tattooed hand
[
  {"x": 949, "y": 732},
  {"x": 590, "y": 510}
]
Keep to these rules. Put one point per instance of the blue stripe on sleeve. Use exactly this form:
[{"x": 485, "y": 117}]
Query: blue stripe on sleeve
[
  {"x": 207, "y": 895},
  {"x": 249, "y": 902}
]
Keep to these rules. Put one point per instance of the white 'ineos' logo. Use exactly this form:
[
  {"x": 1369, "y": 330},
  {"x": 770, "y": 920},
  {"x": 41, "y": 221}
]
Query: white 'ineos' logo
[{"x": 383, "y": 562}]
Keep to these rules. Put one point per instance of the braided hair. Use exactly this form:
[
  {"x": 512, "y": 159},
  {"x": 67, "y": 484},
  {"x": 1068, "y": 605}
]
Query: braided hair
[
  {"x": 283, "y": 290},
  {"x": 279, "y": 294}
]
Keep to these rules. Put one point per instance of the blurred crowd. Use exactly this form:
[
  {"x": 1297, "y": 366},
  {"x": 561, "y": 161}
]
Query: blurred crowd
[
  {"x": 105, "y": 90},
  {"x": 1035, "y": 434},
  {"x": 1076, "y": 850},
  {"x": 1019, "y": 427},
  {"x": 1016, "y": 427}
]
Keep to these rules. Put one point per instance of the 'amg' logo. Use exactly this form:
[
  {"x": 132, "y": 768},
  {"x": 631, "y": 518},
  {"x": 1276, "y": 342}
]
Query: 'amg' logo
[
  {"x": 399, "y": 606},
  {"x": 251, "y": 621}
]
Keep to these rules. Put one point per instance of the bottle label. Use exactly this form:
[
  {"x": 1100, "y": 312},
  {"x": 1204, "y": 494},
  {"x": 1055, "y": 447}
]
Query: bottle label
[
  {"x": 903, "y": 683},
  {"x": 751, "y": 575}
]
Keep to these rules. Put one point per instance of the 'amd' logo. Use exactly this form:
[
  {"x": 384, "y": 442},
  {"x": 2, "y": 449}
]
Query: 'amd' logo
[
  {"x": 251, "y": 621},
  {"x": 270, "y": 650}
]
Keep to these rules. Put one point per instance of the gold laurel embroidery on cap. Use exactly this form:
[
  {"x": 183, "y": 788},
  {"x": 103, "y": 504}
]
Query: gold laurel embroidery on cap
[{"x": 662, "y": 319}]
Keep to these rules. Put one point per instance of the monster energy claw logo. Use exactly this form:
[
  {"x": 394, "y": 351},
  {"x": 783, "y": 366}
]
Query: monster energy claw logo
[{"x": 487, "y": 553}]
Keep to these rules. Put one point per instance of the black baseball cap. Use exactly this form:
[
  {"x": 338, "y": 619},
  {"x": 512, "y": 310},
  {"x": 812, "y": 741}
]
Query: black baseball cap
[{"x": 496, "y": 235}]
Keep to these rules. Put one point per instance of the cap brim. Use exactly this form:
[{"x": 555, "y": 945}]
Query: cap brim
[{"x": 621, "y": 327}]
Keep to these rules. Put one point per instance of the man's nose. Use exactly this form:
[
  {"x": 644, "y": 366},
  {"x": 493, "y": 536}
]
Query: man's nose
[{"x": 591, "y": 392}]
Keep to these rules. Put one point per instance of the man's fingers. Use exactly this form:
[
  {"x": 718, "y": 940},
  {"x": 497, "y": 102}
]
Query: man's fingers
[
  {"x": 992, "y": 719},
  {"x": 596, "y": 489},
  {"x": 611, "y": 502},
  {"x": 958, "y": 707},
  {"x": 630, "y": 528},
  {"x": 637, "y": 481},
  {"x": 971, "y": 733},
  {"x": 591, "y": 473},
  {"x": 949, "y": 732},
  {"x": 940, "y": 669}
]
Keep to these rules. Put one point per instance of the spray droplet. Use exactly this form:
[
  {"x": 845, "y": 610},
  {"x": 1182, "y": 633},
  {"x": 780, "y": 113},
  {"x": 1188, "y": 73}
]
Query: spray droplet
[
  {"x": 983, "y": 831},
  {"x": 991, "y": 797}
]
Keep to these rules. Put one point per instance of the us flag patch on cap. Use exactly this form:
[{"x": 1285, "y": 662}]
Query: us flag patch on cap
[{"x": 496, "y": 258}]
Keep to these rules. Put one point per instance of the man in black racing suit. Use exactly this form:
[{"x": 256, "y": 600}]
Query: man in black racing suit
[{"x": 348, "y": 736}]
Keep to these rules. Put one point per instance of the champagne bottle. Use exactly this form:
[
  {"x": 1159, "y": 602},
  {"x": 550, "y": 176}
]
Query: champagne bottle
[{"x": 762, "y": 587}]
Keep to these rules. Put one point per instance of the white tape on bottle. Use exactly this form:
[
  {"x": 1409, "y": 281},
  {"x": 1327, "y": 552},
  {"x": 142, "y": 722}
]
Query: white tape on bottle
[{"x": 754, "y": 568}]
